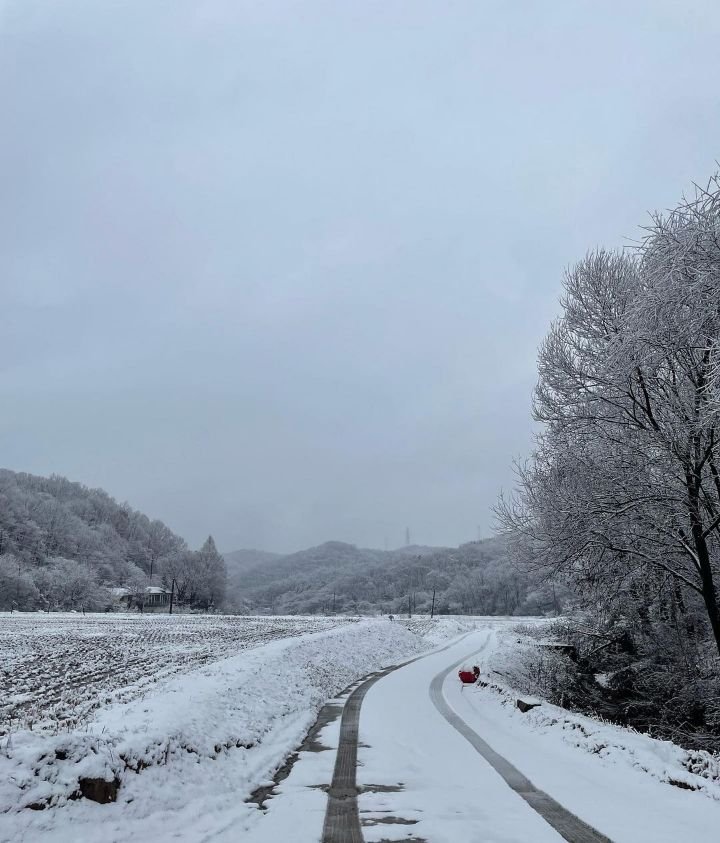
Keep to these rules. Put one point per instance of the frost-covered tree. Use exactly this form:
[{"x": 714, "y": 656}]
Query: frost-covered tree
[
  {"x": 46, "y": 518},
  {"x": 17, "y": 589},
  {"x": 179, "y": 568},
  {"x": 621, "y": 497},
  {"x": 200, "y": 576},
  {"x": 161, "y": 542},
  {"x": 625, "y": 475},
  {"x": 68, "y": 585},
  {"x": 211, "y": 575}
]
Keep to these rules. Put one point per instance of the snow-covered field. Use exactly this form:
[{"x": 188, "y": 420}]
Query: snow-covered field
[
  {"x": 58, "y": 668},
  {"x": 187, "y": 715}
]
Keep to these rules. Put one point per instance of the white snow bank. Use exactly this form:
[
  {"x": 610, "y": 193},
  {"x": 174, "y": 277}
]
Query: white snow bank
[
  {"x": 687, "y": 769},
  {"x": 217, "y": 731},
  {"x": 436, "y": 631}
]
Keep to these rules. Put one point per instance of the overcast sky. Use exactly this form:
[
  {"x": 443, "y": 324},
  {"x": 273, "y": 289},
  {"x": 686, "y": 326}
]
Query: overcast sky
[{"x": 278, "y": 271}]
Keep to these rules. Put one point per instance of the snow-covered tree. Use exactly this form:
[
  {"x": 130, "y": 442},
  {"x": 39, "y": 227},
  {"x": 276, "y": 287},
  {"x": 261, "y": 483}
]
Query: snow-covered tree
[
  {"x": 621, "y": 497},
  {"x": 68, "y": 585},
  {"x": 211, "y": 575},
  {"x": 46, "y": 518},
  {"x": 17, "y": 589}
]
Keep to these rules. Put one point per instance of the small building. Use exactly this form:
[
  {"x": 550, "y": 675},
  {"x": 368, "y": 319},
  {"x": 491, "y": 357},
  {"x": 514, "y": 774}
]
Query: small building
[
  {"x": 147, "y": 599},
  {"x": 156, "y": 595}
]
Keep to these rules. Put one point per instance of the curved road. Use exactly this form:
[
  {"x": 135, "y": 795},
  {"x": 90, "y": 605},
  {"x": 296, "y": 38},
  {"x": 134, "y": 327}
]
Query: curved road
[
  {"x": 566, "y": 824},
  {"x": 424, "y": 767}
]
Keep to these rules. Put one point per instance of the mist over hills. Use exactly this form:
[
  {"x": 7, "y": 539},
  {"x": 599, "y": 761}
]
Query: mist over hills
[
  {"x": 474, "y": 578},
  {"x": 62, "y": 545},
  {"x": 237, "y": 565},
  {"x": 239, "y": 561}
]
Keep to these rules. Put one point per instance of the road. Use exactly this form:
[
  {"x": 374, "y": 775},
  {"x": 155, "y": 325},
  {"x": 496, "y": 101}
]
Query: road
[
  {"x": 416, "y": 759},
  {"x": 569, "y": 826},
  {"x": 418, "y": 771}
]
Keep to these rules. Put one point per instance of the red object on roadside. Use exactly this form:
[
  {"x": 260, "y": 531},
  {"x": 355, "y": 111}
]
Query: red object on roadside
[{"x": 467, "y": 677}]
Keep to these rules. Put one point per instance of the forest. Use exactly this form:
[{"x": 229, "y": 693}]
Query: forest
[
  {"x": 63, "y": 546},
  {"x": 620, "y": 500},
  {"x": 476, "y": 578}
]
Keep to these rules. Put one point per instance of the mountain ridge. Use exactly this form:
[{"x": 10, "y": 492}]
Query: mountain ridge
[{"x": 338, "y": 576}]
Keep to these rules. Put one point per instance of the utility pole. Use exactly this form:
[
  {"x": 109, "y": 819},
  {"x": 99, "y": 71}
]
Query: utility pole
[
  {"x": 432, "y": 608},
  {"x": 407, "y": 537},
  {"x": 172, "y": 595},
  {"x": 409, "y": 606},
  {"x": 334, "y": 594}
]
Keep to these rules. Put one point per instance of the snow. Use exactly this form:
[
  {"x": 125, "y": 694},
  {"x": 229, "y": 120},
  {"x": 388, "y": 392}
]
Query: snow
[
  {"x": 200, "y": 741},
  {"x": 613, "y": 778},
  {"x": 664, "y": 760},
  {"x": 421, "y": 779},
  {"x": 446, "y": 791},
  {"x": 203, "y": 739},
  {"x": 58, "y": 668}
]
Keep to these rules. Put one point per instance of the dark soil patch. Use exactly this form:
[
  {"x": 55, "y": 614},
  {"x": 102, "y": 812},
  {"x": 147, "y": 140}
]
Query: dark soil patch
[
  {"x": 370, "y": 821},
  {"x": 99, "y": 790},
  {"x": 382, "y": 788}
]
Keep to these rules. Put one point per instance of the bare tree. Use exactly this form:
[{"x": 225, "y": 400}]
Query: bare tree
[{"x": 624, "y": 488}]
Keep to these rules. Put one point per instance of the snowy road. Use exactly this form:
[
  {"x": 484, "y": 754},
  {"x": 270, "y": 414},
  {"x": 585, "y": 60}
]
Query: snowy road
[
  {"x": 342, "y": 819},
  {"x": 418, "y": 773},
  {"x": 569, "y": 826},
  {"x": 417, "y": 778}
]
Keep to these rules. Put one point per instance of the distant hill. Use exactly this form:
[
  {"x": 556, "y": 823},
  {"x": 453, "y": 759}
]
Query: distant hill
[
  {"x": 42, "y": 518},
  {"x": 474, "y": 578},
  {"x": 62, "y": 544}
]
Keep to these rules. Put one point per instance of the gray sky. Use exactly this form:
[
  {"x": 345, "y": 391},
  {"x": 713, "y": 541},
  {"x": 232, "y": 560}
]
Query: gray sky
[{"x": 278, "y": 271}]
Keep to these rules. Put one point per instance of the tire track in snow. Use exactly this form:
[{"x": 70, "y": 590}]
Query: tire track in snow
[
  {"x": 342, "y": 819},
  {"x": 567, "y": 825}
]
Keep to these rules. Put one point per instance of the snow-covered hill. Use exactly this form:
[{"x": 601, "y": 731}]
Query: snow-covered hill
[{"x": 475, "y": 578}]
